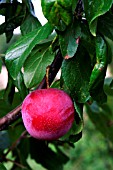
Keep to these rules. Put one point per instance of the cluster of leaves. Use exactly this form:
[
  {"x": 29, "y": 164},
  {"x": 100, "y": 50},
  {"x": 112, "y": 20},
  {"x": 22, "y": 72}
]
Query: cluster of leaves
[{"x": 83, "y": 32}]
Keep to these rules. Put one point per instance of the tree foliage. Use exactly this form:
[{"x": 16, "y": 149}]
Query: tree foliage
[{"x": 78, "y": 40}]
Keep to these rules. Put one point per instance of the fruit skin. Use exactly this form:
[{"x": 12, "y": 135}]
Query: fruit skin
[{"x": 48, "y": 114}]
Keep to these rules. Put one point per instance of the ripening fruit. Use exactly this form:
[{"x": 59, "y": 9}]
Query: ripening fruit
[{"x": 48, "y": 114}]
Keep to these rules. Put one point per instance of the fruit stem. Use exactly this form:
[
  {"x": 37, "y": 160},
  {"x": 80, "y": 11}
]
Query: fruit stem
[{"x": 47, "y": 76}]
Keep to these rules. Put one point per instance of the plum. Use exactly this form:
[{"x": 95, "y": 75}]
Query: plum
[{"x": 48, "y": 114}]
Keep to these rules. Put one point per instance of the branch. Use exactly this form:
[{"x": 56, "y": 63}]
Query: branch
[
  {"x": 14, "y": 145},
  {"x": 16, "y": 163},
  {"x": 16, "y": 113},
  {"x": 10, "y": 118}
]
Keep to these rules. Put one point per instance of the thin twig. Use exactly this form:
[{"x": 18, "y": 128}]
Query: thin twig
[
  {"x": 16, "y": 142},
  {"x": 16, "y": 163},
  {"x": 16, "y": 113}
]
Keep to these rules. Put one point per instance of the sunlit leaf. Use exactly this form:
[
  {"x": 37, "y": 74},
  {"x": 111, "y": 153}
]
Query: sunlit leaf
[
  {"x": 35, "y": 65},
  {"x": 17, "y": 54}
]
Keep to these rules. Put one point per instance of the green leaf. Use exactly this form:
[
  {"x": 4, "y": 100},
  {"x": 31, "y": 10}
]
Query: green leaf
[
  {"x": 24, "y": 144},
  {"x": 69, "y": 40},
  {"x": 30, "y": 23},
  {"x": 102, "y": 117},
  {"x": 14, "y": 15},
  {"x": 17, "y": 100},
  {"x": 30, "y": 7},
  {"x": 0, "y": 65},
  {"x": 111, "y": 84},
  {"x": 65, "y": 4},
  {"x": 21, "y": 156},
  {"x": 17, "y": 54},
  {"x": 2, "y": 11},
  {"x": 19, "y": 83},
  {"x": 2, "y": 167},
  {"x": 36, "y": 63},
  {"x": 98, "y": 94},
  {"x": 109, "y": 43},
  {"x": 75, "y": 138},
  {"x": 94, "y": 9},
  {"x": 79, "y": 110},
  {"x": 75, "y": 133},
  {"x": 4, "y": 140},
  {"x": 76, "y": 76},
  {"x": 9, "y": 91},
  {"x": 99, "y": 71},
  {"x": 87, "y": 40},
  {"x": 105, "y": 27},
  {"x": 4, "y": 107},
  {"x": 57, "y": 15},
  {"x": 108, "y": 88},
  {"x": 9, "y": 14},
  {"x": 1, "y": 94},
  {"x": 15, "y": 131},
  {"x": 74, "y": 5},
  {"x": 49, "y": 159},
  {"x": 56, "y": 84}
]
